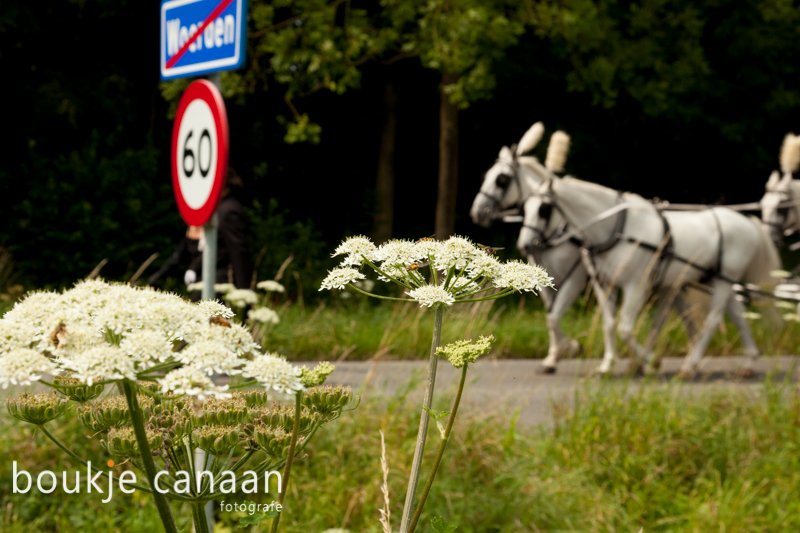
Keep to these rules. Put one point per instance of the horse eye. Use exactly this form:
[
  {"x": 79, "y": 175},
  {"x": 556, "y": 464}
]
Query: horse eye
[
  {"x": 545, "y": 210},
  {"x": 503, "y": 180}
]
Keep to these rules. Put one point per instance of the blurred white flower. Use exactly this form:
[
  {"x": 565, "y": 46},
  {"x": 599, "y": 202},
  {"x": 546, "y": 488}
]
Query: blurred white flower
[
  {"x": 224, "y": 288},
  {"x": 792, "y": 317},
  {"x": 274, "y": 372},
  {"x": 241, "y": 297},
  {"x": 355, "y": 249},
  {"x": 271, "y": 286},
  {"x": 264, "y": 315},
  {"x": 785, "y": 305},
  {"x": 750, "y": 315},
  {"x": 339, "y": 278},
  {"x": 192, "y": 382},
  {"x": 196, "y": 286},
  {"x": 432, "y": 296},
  {"x": 22, "y": 366},
  {"x": 780, "y": 274}
]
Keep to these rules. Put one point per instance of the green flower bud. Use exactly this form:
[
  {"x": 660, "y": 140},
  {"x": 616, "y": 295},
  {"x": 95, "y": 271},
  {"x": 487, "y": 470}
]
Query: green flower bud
[
  {"x": 327, "y": 401},
  {"x": 121, "y": 442},
  {"x": 274, "y": 441},
  {"x": 76, "y": 390},
  {"x": 216, "y": 440},
  {"x": 37, "y": 408},
  {"x": 283, "y": 417}
]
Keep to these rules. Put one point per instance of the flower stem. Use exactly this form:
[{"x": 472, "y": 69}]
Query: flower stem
[
  {"x": 199, "y": 518},
  {"x": 298, "y": 407},
  {"x": 440, "y": 453},
  {"x": 413, "y": 479},
  {"x": 147, "y": 458}
]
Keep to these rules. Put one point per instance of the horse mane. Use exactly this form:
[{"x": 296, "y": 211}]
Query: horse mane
[
  {"x": 557, "y": 151},
  {"x": 790, "y": 153}
]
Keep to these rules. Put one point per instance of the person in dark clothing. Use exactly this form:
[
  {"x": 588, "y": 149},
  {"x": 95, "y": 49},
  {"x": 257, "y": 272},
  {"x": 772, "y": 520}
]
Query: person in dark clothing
[
  {"x": 187, "y": 252},
  {"x": 233, "y": 247}
]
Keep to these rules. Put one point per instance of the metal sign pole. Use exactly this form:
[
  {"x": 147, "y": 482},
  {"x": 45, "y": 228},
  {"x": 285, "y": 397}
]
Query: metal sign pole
[{"x": 209, "y": 278}]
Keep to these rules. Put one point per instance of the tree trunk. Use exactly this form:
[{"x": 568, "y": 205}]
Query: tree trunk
[
  {"x": 448, "y": 162},
  {"x": 384, "y": 182}
]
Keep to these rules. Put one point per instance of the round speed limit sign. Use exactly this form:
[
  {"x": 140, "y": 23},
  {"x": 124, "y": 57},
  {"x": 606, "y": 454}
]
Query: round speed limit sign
[{"x": 199, "y": 152}]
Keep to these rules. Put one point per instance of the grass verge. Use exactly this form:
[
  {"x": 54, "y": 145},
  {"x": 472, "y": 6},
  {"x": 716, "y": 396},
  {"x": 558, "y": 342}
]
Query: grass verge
[{"x": 619, "y": 461}]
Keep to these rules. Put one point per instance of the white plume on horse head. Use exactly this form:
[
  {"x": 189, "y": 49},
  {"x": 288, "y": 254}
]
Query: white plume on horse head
[
  {"x": 790, "y": 153},
  {"x": 557, "y": 151},
  {"x": 531, "y": 138}
]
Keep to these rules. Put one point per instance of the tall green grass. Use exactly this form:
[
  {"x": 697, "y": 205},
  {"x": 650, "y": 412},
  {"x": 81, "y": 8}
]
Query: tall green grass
[{"x": 620, "y": 460}]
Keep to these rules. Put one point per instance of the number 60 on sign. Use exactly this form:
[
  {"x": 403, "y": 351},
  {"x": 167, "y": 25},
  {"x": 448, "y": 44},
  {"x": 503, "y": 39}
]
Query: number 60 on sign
[{"x": 199, "y": 152}]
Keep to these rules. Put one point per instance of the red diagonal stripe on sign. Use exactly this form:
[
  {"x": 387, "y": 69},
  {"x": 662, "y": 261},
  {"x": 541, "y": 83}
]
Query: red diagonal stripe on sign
[{"x": 209, "y": 19}]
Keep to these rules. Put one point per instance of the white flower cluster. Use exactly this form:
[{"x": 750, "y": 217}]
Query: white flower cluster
[
  {"x": 241, "y": 297},
  {"x": 274, "y": 372},
  {"x": 462, "y": 270},
  {"x": 99, "y": 332},
  {"x": 270, "y": 285},
  {"x": 264, "y": 315}
]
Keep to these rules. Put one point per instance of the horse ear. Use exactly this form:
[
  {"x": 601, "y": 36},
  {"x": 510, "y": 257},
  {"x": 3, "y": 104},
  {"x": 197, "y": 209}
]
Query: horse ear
[
  {"x": 557, "y": 151},
  {"x": 505, "y": 153},
  {"x": 773, "y": 180},
  {"x": 530, "y": 139},
  {"x": 790, "y": 153}
]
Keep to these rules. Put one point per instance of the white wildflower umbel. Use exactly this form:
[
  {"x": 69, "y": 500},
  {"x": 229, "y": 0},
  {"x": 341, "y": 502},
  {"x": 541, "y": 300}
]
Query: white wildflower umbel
[
  {"x": 22, "y": 366},
  {"x": 192, "y": 382},
  {"x": 273, "y": 372},
  {"x": 270, "y": 285},
  {"x": 356, "y": 250},
  {"x": 215, "y": 308},
  {"x": 432, "y": 296},
  {"x": 241, "y": 297},
  {"x": 339, "y": 278},
  {"x": 265, "y": 315},
  {"x": 436, "y": 273}
]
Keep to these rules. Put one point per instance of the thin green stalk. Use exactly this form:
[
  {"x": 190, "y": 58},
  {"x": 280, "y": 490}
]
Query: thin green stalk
[
  {"x": 439, "y": 453},
  {"x": 378, "y": 296},
  {"x": 147, "y": 458},
  {"x": 384, "y": 274},
  {"x": 298, "y": 407},
  {"x": 413, "y": 479}
]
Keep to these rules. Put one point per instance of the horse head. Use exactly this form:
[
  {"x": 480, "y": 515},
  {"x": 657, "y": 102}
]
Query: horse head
[{"x": 502, "y": 186}]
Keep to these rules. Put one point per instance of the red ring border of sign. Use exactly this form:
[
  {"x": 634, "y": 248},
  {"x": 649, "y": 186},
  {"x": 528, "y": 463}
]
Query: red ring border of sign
[{"x": 205, "y": 90}]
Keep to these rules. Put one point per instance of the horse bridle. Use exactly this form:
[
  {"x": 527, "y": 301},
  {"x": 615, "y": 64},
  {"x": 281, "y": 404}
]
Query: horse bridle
[{"x": 509, "y": 178}]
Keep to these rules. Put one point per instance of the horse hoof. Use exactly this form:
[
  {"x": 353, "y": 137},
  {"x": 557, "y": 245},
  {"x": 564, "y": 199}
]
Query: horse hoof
[
  {"x": 746, "y": 372},
  {"x": 546, "y": 369},
  {"x": 685, "y": 375}
]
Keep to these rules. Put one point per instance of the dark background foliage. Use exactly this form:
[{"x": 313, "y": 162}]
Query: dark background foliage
[{"x": 686, "y": 101}]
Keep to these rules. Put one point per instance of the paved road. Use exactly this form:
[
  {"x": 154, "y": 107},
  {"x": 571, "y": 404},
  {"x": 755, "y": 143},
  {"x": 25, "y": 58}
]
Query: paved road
[{"x": 517, "y": 384}]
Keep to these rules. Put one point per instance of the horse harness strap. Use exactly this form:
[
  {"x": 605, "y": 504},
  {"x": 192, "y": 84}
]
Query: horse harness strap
[{"x": 666, "y": 250}]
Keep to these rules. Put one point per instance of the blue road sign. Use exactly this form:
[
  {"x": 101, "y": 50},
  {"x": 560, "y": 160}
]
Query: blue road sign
[{"x": 202, "y": 36}]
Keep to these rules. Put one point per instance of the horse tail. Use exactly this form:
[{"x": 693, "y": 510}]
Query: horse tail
[{"x": 767, "y": 258}]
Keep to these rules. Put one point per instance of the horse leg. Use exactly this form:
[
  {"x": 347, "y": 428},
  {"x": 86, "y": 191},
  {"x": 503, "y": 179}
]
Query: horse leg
[
  {"x": 666, "y": 300},
  {"x": 607, "y": 300},
  {"x": 735, "y": 310},
  {"x": 560, "y": 343},
  {"x": 721, "y": 292},
  {"x": 632, "y": 302},
  {"x": 684, "y": 311}
]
